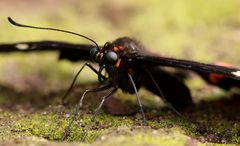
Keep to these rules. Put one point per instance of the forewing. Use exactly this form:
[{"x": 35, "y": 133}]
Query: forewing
[
  {"x": 190, "y": 65},
  {"x": 72, "y": 52}
]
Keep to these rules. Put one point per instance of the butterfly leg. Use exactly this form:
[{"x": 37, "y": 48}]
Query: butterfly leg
[
  {"x": 169, "y": 87},
  {"x": 79, "y": 105},
  {"x": 97, "y": 112},
  {"x": 138, "y": 99},
  {"x": 161, "y": 93},
  {"x": 75, "y": 78}
]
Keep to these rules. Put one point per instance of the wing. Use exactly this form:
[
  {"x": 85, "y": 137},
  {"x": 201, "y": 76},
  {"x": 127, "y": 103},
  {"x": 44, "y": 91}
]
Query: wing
[
  {"x": 72, "y": 52},
  {"x": 152, "y": 60},
  {"x": 219, "y": 80},
  {"x": 173, "y": 88}
]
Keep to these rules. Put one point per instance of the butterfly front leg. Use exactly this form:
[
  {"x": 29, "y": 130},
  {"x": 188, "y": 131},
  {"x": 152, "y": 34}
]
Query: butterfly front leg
[{"x": 102, "y": 77}]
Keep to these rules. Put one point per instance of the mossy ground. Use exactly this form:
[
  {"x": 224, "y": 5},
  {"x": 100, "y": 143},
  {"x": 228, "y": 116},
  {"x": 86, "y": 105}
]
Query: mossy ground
[
  {"x": 207, "y": 123},
  {"x": 31, "y": 85}
]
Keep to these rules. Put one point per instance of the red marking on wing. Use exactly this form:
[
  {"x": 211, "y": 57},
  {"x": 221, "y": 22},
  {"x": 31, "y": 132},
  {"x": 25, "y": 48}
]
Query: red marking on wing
[{"x": 215, "y": 78}]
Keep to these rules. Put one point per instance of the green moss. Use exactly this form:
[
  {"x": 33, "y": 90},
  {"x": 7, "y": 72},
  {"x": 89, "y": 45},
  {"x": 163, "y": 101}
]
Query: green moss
[
  {"x": 51, "y": 126},
  {"x": 107, "y": 129}
]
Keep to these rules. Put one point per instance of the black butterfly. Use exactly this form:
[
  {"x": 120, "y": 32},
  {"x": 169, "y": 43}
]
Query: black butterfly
[{"x": 129, "y": 66}]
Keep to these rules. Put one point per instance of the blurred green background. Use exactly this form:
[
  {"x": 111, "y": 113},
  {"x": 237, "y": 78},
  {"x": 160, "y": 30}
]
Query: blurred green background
[
  {"x": 200, "y": 30},
  {"x": 189, "y": 29}
]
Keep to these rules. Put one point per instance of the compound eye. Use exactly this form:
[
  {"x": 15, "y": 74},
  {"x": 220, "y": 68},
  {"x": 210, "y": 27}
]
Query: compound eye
[
  {"x": 111, "y": 58},
  {"x": 93, "y": 53}
]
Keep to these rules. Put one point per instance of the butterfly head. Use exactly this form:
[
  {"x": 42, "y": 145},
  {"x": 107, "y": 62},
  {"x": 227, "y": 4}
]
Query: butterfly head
[{"x": 105, "y": 56}]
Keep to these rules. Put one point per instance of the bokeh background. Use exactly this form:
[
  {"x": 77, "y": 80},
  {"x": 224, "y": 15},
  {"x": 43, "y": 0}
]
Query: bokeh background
[
  {"x": 185, "y": 28},
  {"x": 206, "y": 31},
  {"x": 200, "y": 30}
]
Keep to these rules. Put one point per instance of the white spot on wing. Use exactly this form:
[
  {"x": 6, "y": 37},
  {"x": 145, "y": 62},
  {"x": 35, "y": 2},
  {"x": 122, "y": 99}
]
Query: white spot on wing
[
  {"x": 22, "y": 46},
  {"x": 236, "y": 73}
]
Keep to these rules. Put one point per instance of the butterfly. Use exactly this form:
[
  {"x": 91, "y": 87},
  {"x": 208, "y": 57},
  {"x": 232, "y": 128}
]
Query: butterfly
[{"x": 129, "y": 66}]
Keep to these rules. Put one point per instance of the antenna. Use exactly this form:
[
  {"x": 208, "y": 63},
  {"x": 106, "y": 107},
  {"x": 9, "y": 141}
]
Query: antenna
[{"x": 53, "y": 29}]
